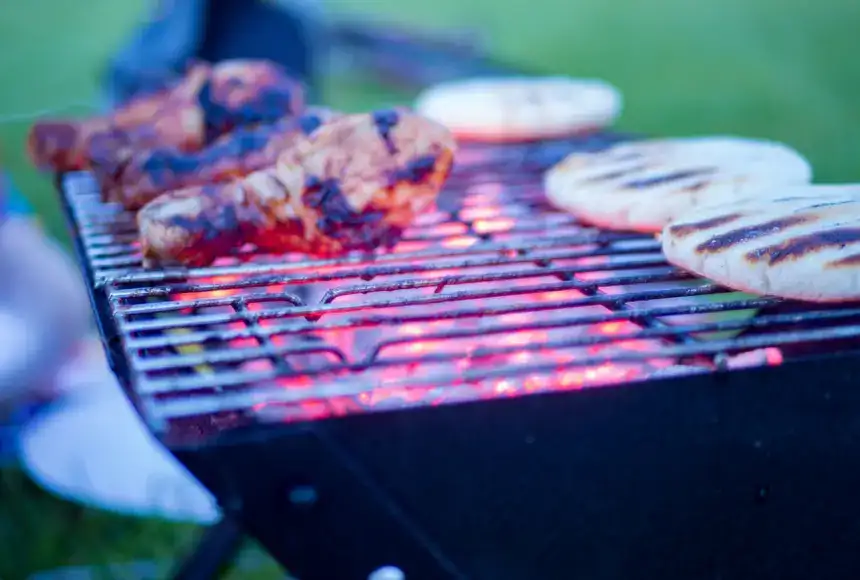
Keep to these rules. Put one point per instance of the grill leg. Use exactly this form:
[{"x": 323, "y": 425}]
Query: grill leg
[{"x": 214, "y": 554}]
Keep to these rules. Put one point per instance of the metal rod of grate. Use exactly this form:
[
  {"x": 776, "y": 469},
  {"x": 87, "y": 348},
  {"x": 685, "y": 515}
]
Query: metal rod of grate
[{"x": 492, "y": 288}]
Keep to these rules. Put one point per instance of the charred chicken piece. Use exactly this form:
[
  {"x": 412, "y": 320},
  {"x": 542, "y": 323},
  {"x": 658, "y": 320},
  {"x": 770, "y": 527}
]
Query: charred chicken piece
[
  {"x": 354, "y": 184},
  {"x": 167, "y": 116},
  {"x": 207, "y": 102},
  {"x": 194, "y": 226},
  {"x": 147, "y": 174},
  {"x": 243, "y": 93}
]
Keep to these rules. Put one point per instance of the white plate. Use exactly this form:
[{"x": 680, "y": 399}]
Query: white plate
[{"x": 95, "y": 450}]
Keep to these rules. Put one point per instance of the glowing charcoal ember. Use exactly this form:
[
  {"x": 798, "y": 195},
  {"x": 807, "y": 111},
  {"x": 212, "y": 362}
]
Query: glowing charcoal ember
[
  {"x": 490, "y": 295},
  {"x": 433, "y": 219},
  {"x": 406, "y": 246},
  {"x": 243, "y": 342},
  {"x": 257, "y": 365},
  {"x": 393, "y": 397},
  {"x": 614, "y": 327},
  {"x": 754, "y": 358},
  {"x": 418, "y": 340},
  {"x": 471, "y": 214},
  {"x": 619, "y": 279},
  {"x": 215, "y": 293},
  {"x": 603, "y": 374},
  {"x": 459, "y": 242},
  {"x": 500, "y": 224},
  {"x": 430, "y": 231},
  {"x": 773, "y": 356},
  {"x": 307, "y": 411},
  {"x": 212, "y": 302}
]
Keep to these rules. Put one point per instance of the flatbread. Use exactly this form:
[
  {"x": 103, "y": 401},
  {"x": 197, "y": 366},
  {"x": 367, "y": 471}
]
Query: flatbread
[
  {"x": 796, "y": 242},
  {"x": 643, "y": 185},
  {"x": 520, "y": 108}
]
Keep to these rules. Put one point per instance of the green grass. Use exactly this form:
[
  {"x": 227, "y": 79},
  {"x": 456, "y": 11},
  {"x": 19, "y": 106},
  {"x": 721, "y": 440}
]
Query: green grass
[
  {"x": 782, "y": 69},
  {"x": 51, "y": 54}
]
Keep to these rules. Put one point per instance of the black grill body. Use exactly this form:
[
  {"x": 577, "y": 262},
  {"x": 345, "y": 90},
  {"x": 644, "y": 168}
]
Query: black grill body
[
  {"x": 740, "y": 475},
  {"x": 714, "y": 472}
]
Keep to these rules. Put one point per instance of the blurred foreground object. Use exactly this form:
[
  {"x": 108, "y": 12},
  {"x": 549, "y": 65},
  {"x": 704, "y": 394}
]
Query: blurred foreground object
[
  {"x": 43, "y": 305},
  {"x": 289, "y": 33},
  {"x": 65, "y": 451}
]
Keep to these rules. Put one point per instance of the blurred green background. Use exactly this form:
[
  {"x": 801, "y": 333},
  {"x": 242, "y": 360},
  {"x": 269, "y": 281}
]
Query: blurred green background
[{"x": 781, "y": 69}]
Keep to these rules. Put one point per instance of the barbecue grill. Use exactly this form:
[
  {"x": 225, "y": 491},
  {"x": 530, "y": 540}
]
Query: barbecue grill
[{"x": 436, "y": 407}]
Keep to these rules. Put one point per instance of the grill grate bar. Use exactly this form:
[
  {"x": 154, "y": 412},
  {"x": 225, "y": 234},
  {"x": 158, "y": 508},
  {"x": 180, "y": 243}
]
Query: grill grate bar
[
  {"x": 369, "y": 273},
  {"x": 664, "y": 330},
  {"x": 585, "y": 237},
  {"x": 176, "y": 305},
  {"x": 268, "y": 392},
  {"x": 226, "y": 356},
  {"x": 214, "y": 336},
  {"x": 438, "y": 284},
  {"x": 493, "y": 286},
  {"x": 319, "y": 311},
  {"x": 649, "y": 321},
  {"x": 109, "y": 251}
]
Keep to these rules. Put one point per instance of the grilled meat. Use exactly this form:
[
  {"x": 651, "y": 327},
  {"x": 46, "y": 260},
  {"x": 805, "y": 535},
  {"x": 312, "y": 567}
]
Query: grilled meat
[
  {"x": 167, "y": 115},
  {"x": 244, "y": 93},
  {"x": 354, "y": 184},
  {"x": 148, "y": 174},
  {"x": 207, "y": 102}
]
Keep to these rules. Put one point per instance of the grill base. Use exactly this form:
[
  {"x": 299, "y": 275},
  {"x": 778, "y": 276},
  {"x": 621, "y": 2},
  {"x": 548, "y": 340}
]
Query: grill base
[{"x": 736, "y": 475}]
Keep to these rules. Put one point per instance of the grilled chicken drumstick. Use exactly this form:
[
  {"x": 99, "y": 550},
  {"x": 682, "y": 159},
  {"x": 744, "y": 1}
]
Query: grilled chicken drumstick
[
  {"x": 207, "y": 102},
  {"x": 354, "y": 184},
  {"x": 147, "y": 174}
]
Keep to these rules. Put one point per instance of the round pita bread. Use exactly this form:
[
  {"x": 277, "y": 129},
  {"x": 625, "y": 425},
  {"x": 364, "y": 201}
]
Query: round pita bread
[
  {"x": 800, "y": 242},
  {"x": 520, "y": 108},
  {"x": 643, "y": 185}
]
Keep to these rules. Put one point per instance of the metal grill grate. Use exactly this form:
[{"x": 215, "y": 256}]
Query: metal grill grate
[{"x": 495, "y": 294}]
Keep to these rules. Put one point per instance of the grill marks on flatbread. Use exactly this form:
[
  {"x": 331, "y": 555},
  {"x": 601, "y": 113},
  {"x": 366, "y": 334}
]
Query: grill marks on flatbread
[
  {"x": 643, "y": 185},
  {"x": 672, "y": 177},
  {"x": 684, "y": 230},
  {"x": 721, "y": 242},
  {"x": 798, "y": 247},
  {"x": 805, "y": 245}
]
